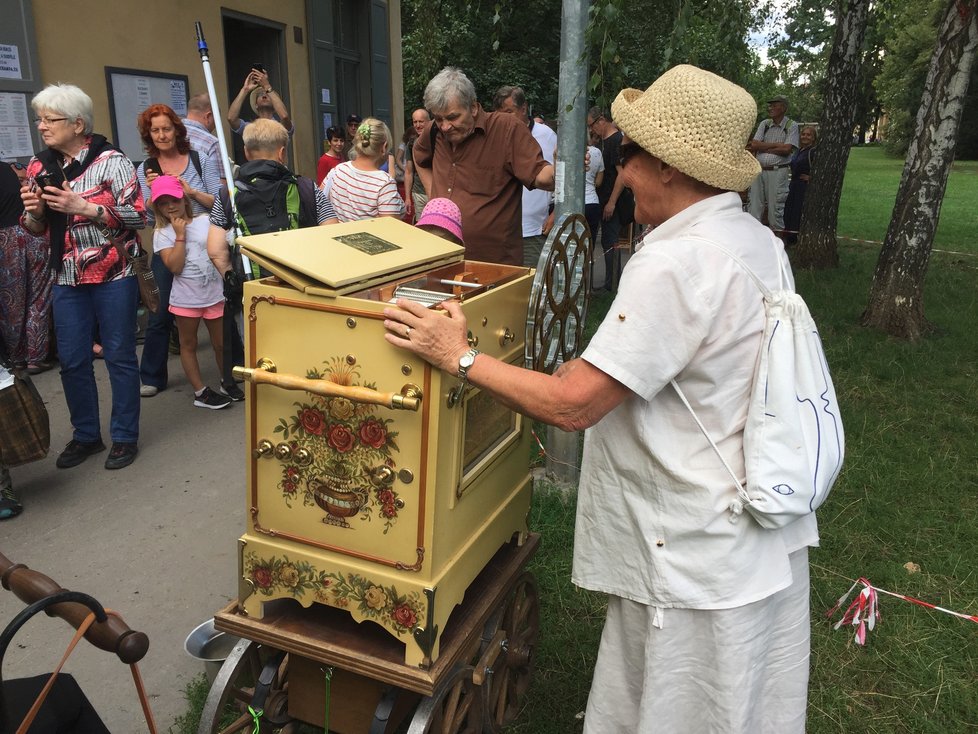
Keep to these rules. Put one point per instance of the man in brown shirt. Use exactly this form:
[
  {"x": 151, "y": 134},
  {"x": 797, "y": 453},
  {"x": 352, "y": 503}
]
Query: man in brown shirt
[{"x": 481, "y": 161}]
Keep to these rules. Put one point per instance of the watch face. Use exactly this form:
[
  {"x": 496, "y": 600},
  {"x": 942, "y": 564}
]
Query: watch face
[{"x": 467, "y": 359}]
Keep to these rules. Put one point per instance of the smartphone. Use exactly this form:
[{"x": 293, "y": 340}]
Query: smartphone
[
  {"x": 152, "y": 165},
  {"x": 44, "y": 179},
  {"x": 258, "y": 67}
]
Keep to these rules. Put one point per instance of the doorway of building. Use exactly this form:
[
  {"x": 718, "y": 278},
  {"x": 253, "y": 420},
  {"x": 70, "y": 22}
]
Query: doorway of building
[{"x": 250, "y": 40}]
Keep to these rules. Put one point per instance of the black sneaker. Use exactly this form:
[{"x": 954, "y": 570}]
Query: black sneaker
[
  {"x": 121, "y": 455},
  {"x": 232, "y": 391},
  {"x": 76, "y": 452},
  {"x": 210, "y": 399}
]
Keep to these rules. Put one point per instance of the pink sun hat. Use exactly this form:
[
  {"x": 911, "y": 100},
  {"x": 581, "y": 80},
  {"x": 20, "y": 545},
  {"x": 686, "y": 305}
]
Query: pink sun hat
[
  {"x": 442, "y": 213},
  {"x": 166, "y": 186}
]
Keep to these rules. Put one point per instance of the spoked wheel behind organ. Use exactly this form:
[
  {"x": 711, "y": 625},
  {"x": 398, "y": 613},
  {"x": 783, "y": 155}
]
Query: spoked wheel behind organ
[
  {"x": 558, "y": 299},
  {"x": 455, "y": 708},
  {"x": 507, "y": 679},
  {"x": 233, "y": 691}
]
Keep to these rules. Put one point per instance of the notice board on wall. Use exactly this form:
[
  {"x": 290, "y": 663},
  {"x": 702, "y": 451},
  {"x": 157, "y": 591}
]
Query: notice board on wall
[{"x": 130, "y": 92}]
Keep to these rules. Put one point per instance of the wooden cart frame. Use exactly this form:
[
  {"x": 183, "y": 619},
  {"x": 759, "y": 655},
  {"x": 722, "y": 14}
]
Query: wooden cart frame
[{"x": 477, "y": 684}]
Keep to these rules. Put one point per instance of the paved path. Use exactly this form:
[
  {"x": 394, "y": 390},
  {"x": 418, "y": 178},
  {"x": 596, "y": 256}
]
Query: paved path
[{"x": 155, "y": 541}]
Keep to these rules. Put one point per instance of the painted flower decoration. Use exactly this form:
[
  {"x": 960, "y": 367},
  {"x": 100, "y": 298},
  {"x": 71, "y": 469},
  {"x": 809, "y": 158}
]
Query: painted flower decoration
[
  {"x": 341, "y": 409},
  {"x": 342, "y": 443},
  {"x": 288, "y": 575},
  {"x": 405, "y": 616},
  {"x": 375, "y": 598},
  {"x": 313, "y": 421}
]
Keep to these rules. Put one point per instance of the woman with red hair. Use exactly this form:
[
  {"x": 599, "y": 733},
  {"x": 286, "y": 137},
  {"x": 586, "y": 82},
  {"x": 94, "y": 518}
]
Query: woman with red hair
[{"x": 168, "y": 147}]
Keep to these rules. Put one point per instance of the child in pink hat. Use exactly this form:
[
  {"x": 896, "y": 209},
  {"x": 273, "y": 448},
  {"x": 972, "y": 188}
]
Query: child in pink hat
[
  {"x": 180, "y": 239},
  {"x": 442, "y": 217}
]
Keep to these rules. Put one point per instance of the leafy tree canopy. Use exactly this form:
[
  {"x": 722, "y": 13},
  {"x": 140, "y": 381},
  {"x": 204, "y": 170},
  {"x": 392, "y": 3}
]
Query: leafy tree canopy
[{"x": 630, "y": 43}]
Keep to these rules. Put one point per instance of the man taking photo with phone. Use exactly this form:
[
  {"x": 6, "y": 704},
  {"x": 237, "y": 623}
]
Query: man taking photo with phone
[{"x": 265, "y": 101}]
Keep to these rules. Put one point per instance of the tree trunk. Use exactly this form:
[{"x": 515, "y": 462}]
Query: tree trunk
[
  {"x": 817, "y": 246},
  {"x": 896, "y": 297}
]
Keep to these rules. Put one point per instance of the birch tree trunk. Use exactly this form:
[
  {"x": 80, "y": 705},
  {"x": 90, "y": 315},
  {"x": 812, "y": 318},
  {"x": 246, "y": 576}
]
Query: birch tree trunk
[
  {"x": 816, "y": 247},
  {"x": 896, "y": 297}
]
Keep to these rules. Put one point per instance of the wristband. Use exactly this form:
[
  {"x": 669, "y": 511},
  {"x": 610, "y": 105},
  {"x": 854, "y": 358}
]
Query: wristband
[{"x": 30, "y": 215}]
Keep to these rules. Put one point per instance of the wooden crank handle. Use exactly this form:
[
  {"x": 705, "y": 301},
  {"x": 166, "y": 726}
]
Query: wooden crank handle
[
  {"x": 113, "y": 635},
  {"x": 328, "y": 389}
]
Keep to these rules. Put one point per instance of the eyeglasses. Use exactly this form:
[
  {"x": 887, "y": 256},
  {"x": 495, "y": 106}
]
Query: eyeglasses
[
  {"x": 594, "y": 121},
  {"x": 48, "y": 121},
  {"x": 627, "y": 152}
]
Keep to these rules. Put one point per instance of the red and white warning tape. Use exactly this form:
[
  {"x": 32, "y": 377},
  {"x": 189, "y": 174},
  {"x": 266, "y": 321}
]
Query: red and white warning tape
[{"x": 863, "y": 612}]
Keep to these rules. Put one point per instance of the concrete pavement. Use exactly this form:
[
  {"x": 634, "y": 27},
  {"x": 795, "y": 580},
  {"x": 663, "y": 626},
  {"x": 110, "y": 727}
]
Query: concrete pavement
[{"x": 155, "y": 541}]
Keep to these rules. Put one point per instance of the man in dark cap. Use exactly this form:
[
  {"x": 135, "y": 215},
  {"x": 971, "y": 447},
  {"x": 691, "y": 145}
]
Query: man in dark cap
[
  {"x": 352, "y": 122},
  {"x": 774, "y": 143}
]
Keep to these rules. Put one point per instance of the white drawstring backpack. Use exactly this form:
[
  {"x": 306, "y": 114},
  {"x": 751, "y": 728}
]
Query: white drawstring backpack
[{"x": 793, "y": 439}]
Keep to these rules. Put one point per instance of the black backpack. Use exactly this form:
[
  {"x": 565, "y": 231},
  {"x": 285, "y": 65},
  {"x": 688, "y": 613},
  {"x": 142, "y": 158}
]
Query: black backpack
[{"x": 270, "y": 198}]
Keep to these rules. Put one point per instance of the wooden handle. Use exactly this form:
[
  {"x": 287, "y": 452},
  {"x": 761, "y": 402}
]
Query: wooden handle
[
  {"x": 328, "y": 389},
  {"x": 113, "y": 635}
]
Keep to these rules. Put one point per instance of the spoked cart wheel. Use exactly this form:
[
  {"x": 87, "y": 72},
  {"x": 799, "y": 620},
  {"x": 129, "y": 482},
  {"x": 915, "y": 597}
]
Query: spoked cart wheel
[
  {"x": 233, "y": 691},
  {"x": 455, "y": 708},
  {"x": 507, "y": 679}
]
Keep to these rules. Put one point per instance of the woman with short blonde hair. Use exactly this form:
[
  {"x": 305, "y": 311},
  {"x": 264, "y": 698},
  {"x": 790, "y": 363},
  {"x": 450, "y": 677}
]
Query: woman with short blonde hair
[{"x": 359, "y": 189}]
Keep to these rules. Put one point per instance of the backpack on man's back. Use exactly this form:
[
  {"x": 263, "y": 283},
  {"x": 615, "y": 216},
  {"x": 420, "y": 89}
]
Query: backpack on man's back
[{"x": 270, "y": 198}]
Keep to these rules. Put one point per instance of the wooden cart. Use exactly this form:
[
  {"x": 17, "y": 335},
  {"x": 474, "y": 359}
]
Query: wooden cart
[{"x": 477, "y": 684}]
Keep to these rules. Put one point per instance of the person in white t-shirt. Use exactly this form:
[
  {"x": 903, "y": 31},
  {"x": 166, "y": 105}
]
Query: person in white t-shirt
[
  {"x": 708, "y": 626},
  {"x": 358, "y": 189},
  {"x": 180, "y": 239},
  {"x": 593, "y": 176}
]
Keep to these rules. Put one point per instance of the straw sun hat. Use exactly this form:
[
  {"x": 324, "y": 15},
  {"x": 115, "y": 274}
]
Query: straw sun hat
[{"x": 696, "y": 122}]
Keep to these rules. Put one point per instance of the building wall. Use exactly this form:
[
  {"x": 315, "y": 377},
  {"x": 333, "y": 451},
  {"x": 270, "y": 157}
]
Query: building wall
[{"x": 76, "y": 47}]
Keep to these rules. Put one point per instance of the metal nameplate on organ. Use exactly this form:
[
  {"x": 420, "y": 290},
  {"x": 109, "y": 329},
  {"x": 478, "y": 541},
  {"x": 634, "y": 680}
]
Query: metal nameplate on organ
[
  {"x": 376, "y": 484},
  {"x": 366, "y": 243}
]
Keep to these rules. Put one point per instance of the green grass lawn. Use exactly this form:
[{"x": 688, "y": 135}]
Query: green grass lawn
[{"x": 870, "y": 189}]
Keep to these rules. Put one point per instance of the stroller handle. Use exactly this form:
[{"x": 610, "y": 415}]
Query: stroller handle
[{"x": 113, "y": 635}]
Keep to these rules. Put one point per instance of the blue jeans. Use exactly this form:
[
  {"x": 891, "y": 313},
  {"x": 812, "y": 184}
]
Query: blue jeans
[
  {"x": 156, "y": 344},
  {"x": 77, "y": 310}
]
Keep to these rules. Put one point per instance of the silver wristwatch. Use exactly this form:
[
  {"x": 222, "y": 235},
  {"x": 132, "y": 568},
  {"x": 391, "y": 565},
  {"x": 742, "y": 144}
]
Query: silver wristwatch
[{"x": 465, "y": 363}]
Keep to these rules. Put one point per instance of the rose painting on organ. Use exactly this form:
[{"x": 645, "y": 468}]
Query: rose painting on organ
[{"x": 336, "y": 446}]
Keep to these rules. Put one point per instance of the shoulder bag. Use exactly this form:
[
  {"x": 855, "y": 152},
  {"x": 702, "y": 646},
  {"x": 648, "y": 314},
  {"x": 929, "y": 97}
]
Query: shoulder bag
[
  {"x": 149, "y": 292},
  {"x": 25, "y": 433}
]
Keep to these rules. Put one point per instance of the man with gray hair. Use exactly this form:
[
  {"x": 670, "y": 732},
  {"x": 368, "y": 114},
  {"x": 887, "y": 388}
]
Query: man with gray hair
[
  {"x": 481, "y": 161},
  {"x": 537, "y": 203}
]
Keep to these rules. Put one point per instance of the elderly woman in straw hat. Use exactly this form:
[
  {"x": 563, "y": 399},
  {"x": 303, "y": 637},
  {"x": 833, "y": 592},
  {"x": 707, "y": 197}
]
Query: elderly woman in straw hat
[{"x": 707, "y": 626}]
